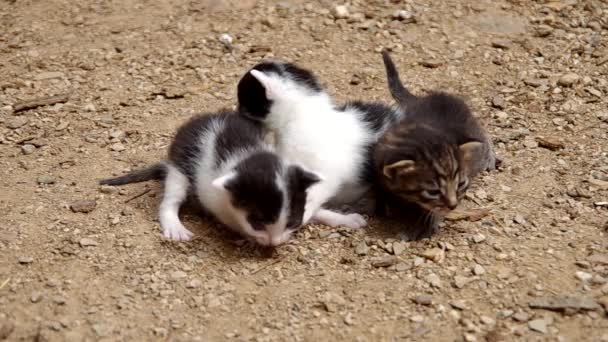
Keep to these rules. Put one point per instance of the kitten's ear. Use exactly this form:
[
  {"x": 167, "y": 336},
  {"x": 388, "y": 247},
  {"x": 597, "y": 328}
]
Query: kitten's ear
[
  {"x": 469, "y": 150},
  {"x": 399, "y": 168},
  {"x": 271, "y": 85},
  {"x": 304, "y": 179},
  {"x": 223, "y": 182}
]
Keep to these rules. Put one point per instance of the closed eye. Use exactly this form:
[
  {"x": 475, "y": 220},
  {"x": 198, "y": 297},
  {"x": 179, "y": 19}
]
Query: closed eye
[
  {"x": 432, "y": 193},
  {"x": 257, "y": 223},
  {"x": 463, "y": 184}
]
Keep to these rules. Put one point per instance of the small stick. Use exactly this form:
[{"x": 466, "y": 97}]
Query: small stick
[
  {"x": 39, "y": 102},
  {"x": 138, "y": 195},
  {"x": 268, "y": 265},
  {"x": 4, "y": 284}
]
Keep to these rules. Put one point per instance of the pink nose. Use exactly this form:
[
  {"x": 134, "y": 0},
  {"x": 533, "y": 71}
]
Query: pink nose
[{"x": 275, "y": 240}]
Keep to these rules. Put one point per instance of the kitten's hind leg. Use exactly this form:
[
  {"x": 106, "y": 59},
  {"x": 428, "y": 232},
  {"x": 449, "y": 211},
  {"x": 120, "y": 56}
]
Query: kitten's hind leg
[
  {"x": 176, "y": 191},
  {"x": 333, "y": 219}
]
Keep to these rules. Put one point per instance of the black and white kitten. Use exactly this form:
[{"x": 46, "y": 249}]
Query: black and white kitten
[
  {"x": 426, "y": 161},
  {"x": 335, "y": 142},
  {"x": 222, "y": 160}
]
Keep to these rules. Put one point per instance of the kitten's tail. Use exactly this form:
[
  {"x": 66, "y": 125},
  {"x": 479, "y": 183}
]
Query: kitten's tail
[
  {"x": 157, "y": 171},
  {"x": 398, "y": 91}
]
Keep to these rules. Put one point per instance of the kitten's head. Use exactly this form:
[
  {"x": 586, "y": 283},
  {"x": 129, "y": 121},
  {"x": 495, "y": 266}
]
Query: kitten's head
[
  {"x": 265, "y": 197},
  {"x": 432, "y": 173},
  {"x": 269, "y": 82}
]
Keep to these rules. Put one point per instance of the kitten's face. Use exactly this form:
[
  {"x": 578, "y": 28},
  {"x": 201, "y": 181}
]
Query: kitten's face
[
  {"x": 264, "y": 201},
  {"x": 436, "y": 183}
]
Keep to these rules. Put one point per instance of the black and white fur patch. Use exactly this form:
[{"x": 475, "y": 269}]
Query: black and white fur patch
[
  {"x": 334, "y": 141},
  {"x": 221, "y": 159}
]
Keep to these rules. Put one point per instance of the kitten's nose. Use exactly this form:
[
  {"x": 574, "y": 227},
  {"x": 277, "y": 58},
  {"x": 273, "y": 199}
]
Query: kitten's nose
[
  {"x": 274, "y": 240},
  {"x": 451, "y": 202}
]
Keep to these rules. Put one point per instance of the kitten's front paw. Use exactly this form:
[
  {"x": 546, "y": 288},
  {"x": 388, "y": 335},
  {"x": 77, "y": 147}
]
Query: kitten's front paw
[
  {"x": 177, "y": 233},
  {"x": 354, "y": 221}
]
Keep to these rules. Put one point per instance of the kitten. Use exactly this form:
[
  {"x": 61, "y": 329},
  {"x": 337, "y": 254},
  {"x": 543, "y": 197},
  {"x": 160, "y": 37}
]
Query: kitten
[
  {"x": 335, "y": 142},
  {"x": 222, "y": 161},
  {"x": 427, "y": 160}
]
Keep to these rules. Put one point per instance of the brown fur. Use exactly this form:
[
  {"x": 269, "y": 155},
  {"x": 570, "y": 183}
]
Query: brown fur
[{"x": 425, "y": 161}]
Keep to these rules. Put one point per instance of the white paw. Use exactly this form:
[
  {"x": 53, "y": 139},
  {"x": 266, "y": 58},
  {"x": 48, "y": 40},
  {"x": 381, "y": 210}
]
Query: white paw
[
  {"x": 354, "y": 221},
  {"x": 177, "y": 233}
]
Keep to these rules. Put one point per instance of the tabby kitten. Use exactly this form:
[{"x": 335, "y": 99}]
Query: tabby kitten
[{"x": 426, "y": 161}]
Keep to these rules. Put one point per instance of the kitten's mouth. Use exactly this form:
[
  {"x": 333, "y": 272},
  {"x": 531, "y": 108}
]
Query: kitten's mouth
[{"x": 443, "y": 211}]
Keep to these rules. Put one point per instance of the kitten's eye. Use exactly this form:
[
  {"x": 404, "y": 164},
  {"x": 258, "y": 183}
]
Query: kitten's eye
[
  {"x": 463, "y": 184},
  {"x": 431, "y": 194},
  {"x": 257, "y": 223}
]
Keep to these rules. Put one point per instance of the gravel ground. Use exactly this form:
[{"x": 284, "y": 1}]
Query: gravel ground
[{"x": 90, "y": 89}]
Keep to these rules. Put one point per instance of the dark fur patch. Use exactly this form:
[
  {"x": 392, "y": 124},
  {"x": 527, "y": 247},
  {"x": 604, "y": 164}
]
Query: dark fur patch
[
  {"x": 236, "y": 132},
  {"x": 253, "y": 102},
  {"x": 298, "y": 181},
  {"x": 302, "y": 76},
  {"x": 157, "y": 171},
  {"x": 186, "y": 148},
  {"x": 398, "y": 91},
  {"x": 377, "y": 116},
  {"x": 255, "y": 188}
]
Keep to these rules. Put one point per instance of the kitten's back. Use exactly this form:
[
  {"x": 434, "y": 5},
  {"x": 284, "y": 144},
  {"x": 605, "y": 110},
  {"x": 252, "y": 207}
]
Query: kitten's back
[
  {"x": 443, "y": 116},
  {"x": 229, "y": 132}
]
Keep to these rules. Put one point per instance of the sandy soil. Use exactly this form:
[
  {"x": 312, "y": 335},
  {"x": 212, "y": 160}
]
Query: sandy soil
[{"x": 84, "y": 263}]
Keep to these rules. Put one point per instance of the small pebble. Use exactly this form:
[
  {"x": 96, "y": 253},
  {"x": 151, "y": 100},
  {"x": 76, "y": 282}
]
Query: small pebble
[
  {"x": 16, "y": 122},
  {"x": 117, "y": 147},
  {"x": 479, "y": 238},
  {"x": 433, "y": 280},
  {"x": 460, "y": 281},
  {"x": 583, "y": 276},
  {"x": 83, "y": 206},
  {"x": 519, "y": 219},
  {"x": 362, "y": 248},
  {"x": 568, "y": 79},
  {"x": 470, "y": 337},
  {"x": 340, "y": 12},
  {"x": 539, "y": 325},
  {"x": 521, "y": 316},
  {"x": 86, "y": 242},
  {"x": 36, "y": 297},
  {"x": 478, "y": 270},
  {"x": 459, "y": 305},
  {"x": 398, "y": 248},
  {"x": 194, "y": 284},
  {"x": 348, "y": 319},
  {"x": 417, "y": 318},
  {"x": 177, "y": 275},
  {"x": 28, "y": 149},
  {"x": 405, "y": 16},
  {"x": 48, "y": 75},
  {"x": 26, "y": 260},
  {"x": 59, "y": 300},
  {"x": 487, "y": 320},
  {"x": 226, "y": 39},
  {"x": 501, "y": 44},
  {"x": 434, "y": 254},
  {"x": 89, "y": 107},
  {"x": 498, "y": 102},
  {"x": 431, "y": 63},
  {"x": 423, "y": 300}
]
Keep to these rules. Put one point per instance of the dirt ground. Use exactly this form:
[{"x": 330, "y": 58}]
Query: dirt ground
[{"x": 83, "y": 263}]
